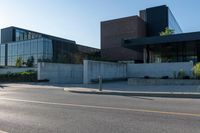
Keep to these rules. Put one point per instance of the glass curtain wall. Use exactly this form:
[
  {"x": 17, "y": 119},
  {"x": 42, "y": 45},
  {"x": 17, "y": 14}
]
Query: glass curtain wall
[
  {"x": 21, "y": 35},
  {"x": 39, "y": 49},
  {"x": 2, "y": 54},
  {"x": 172, "y": 23},
  {"x": 183, "y": 52}
]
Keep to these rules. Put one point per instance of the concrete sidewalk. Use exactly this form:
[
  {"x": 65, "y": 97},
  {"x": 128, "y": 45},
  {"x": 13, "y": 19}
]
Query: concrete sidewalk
[
  {"x": 115, "y": 88},
  {"x": 123, "y": 89},
  {"x": 133, "y": 93},
  {"x": 123, "y": 86}
]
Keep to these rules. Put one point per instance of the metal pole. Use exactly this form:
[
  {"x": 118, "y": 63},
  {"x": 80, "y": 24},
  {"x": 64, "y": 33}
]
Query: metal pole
[{"x": 100, "y": 83}]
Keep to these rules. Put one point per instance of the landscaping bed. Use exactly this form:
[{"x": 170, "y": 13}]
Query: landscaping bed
[
  {"x": 28, "y": 76},
  {"x": 143, "y": 81}
]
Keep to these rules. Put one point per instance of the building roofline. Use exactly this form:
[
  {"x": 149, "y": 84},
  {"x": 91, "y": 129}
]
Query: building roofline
[
  {"x": 118, "y": 19},
  {"x": 44, "y": 35},
  {"x": 157, "y": 7},
  {"x": 79, "y": 45}
]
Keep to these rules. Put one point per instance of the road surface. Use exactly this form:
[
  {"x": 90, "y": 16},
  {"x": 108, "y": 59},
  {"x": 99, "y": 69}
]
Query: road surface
[{"x": 51, "y": 110}]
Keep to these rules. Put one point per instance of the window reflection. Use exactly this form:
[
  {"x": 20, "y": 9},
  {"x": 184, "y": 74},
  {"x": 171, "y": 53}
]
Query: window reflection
[
  {"x": 40, "y": 49},
  {"x": 21, "y": 35},
  {"x": 2, "y": 54},
  {"x": 173, "y": 23}
]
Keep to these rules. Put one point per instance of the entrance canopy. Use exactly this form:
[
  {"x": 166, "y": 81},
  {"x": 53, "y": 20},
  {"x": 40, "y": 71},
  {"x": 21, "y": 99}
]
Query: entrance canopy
[
  {"x": 171, "y": 48},
  {"x": 177, "y": 38}
]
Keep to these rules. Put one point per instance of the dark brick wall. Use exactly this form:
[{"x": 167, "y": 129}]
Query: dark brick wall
[{"x": 114, "y": 31}]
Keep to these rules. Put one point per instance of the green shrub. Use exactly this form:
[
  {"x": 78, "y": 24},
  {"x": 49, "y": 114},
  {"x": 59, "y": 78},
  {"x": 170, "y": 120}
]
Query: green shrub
[
  {"x": 196, "y": 70},
  {"x": 167, "y": 32},
  {"x": 28, "y": 76},
  {"x": 19, "y": 62}
]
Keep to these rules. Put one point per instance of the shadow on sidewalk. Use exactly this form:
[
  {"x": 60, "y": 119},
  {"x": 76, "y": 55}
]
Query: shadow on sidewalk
[{"x": 136, "y": 94}]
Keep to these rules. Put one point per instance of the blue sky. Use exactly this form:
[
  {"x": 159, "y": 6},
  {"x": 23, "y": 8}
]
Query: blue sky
[{"x": 79, "y": 20}]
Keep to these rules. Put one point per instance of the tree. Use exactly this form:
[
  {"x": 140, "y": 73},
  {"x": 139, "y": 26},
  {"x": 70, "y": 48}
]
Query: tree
[
  {"x": 167, "y": 32},
  {"x": 196, "y": 70},
  {"x": 19, "y": 62},
  {"x": 78, "y": 58},
  {"x": 30, "y": 62}
]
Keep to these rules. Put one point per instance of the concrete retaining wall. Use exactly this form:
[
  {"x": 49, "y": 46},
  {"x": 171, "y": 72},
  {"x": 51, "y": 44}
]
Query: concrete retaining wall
[
  {"x": 60, "y": 73},
  {"x": 15, "y": 70},
  {"x": 137, "y": 81},
  {"x": 158, "y": 69},
  {"x": 107, "y": 70}
]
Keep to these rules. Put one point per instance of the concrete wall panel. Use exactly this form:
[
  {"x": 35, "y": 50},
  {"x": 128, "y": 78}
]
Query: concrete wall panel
[
  {"x": 107, "y": 70},
  {"x": 158, "y": 69},
  {"x": 60, "y": 73}
]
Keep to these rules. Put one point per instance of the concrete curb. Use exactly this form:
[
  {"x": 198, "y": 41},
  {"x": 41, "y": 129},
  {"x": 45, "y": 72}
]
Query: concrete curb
[
  {"x": 135, "y": 93},
  {"x": 30, "y": 85},
  {"x": 154, "y": 82}
]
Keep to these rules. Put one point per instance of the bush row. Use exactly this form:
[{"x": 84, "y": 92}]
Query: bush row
[{"x": 28, "y": 76}]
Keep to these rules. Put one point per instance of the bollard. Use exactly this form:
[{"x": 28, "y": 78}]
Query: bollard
[{"x": 100, "y": 83}]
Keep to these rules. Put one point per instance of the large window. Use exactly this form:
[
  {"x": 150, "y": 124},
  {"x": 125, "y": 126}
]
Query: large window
[
  {"x": 2, "y": 54},
  {"x": 175, "y": 52},
  {"x": 40, "y": 49},
  {"x": 21, "y": 35}
]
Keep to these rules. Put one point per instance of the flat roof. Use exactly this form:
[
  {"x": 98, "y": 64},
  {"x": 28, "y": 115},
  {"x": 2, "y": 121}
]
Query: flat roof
[
  {"x": 44, "y": 35},
  {"x": 156, "y": 40},
  {"x": 121, "y": 19}
]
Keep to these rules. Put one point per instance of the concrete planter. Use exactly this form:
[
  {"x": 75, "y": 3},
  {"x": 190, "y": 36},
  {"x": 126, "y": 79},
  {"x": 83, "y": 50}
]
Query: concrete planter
[{"x": 139, "y": 81}]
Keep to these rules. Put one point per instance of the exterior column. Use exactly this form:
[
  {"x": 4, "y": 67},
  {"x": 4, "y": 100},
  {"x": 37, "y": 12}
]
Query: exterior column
[
  {"x": 148, "y": 54},
  {"x": 144, "y": 55},
  {"x": 6, "y": 54}
]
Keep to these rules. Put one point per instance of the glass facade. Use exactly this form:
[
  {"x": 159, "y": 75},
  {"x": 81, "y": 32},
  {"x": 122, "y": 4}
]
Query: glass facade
[
  {"x": 172, "y": 23},
  {"x": 39, "y": 49},
  {"x": 26, "y": 44},
  {"x": 159, "y": 18},
  {"x": 21, "y": 35},
  {"x": 182, "y": 52},
  {"x": 2, "y": 55},
  {"x": 0, "y": 36}
]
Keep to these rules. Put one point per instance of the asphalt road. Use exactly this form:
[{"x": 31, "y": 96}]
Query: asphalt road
[{"x": 46, "y": 110}]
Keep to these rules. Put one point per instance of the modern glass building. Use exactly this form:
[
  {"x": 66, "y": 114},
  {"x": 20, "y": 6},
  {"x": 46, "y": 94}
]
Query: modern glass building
[
  {"x": 38, "y": 48},
  {"x": 142, "y": 36},
  {"x": 17, "y": 42},
  {"x": 172, "y": 48},
  {"x": 178, "y": 47}
]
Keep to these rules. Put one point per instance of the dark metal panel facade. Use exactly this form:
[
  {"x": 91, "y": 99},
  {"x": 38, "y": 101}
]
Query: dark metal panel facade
[
  {"x": 7, "y": 35},
  {"x": 156, "y": 19}
]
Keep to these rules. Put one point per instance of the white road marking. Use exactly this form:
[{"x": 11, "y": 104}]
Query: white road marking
[{"x": 104, "y": 107}]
